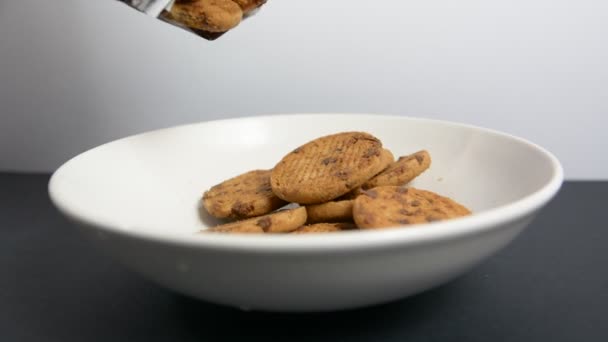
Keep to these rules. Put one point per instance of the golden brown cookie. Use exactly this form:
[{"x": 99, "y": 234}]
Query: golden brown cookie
[
  {"x": 401, "y": 172},
  {"x": 246, "y": 195},
  {"x": 333, "y": 211},
  {"x": 283, "y": 221},
  {"x": 325, "y": 228},
  {"x": 327, "y": 167},
  {"x": 249, "y": 5},
  {"x": 388, "y": 206},
  {"x": 207, "y": 15}
]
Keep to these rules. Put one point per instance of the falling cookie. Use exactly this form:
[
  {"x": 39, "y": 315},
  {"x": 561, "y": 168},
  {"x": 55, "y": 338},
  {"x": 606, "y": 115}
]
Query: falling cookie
[
  {"x": 246, "y": 195},
  {"x": 283, "y": 221},
  {"x": 207, "y": 15},
  {"x": 388, "y": 206},
  {"x": 328, "y": 167}
]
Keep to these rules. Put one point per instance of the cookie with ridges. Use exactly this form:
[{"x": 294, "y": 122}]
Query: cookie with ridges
[
  {"x": 207, "y": 15},
  {"x": 328, "y": 167},
  {"x": 283, "y": 221},
  {"x": 401, "y": 172},
  {"x": 333, "y": 211},
  {"x": 389, "y": 206},
  {"x": 325, "y": 228},
  {"x": 243, "y": 196}
]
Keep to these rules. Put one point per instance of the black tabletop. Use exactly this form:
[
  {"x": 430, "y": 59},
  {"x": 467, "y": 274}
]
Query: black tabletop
[{"x": 550, "y": 284}]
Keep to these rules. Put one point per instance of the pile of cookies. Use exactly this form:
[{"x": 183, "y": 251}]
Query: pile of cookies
[
  {"x": 338, "y": 182},
  {"x": 211, "y": 18}
]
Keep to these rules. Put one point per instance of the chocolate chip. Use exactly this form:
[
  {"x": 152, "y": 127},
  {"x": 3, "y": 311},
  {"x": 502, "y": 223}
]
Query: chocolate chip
[
  {"x": 404, "y": 221},
  {"x": 371, "y": 152},
  {"x": 399, "y": 170},
  {"x": 329, "y": 160},
  {"x": 419, "y": 158},
  {"x": 241, "y": 209},
  {"x": 264, "y": 223},
  {"x": 297, "y": 150},
  {"x": 415, "y": 203},
  {"x": 402, "y": 190}
]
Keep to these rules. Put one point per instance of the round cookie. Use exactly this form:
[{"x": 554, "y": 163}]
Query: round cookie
[
  {"x": 388, "y": 206},
  {"x": 246, "y": 195},
  {"x": 333, "y": 211},
  {"x": 401, "y": 172},
  {"x": 207, "y": 15},
  {"x": 249, "y": 5},
  {"x": 283, "y": 221},
  {"x": 324, "y": 228},
  {"x": 327, "y": 167}
]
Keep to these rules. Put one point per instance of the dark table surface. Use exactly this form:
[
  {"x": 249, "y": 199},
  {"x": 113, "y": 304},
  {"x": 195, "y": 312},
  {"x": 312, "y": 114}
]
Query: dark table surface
[{"x": 550, "y": 284}]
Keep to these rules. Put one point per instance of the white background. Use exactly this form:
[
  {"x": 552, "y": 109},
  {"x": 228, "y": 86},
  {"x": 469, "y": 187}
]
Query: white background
[{"x": 77, "y": 73}]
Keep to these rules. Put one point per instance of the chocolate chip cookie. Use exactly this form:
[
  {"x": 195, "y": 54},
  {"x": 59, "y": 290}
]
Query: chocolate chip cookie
[
  {"x": 283, "y": 221},
  {"x": 389, "y": 206},
  {"x": 207, "y": 15},
  {"x": 246, "y": 195},
  {"x": 328, "y": 167}
]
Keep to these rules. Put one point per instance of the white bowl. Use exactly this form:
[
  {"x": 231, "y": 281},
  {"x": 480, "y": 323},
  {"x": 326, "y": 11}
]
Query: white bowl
[{"x": 138, "y": 197}]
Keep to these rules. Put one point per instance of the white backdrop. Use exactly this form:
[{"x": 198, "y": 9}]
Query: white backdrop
[{"x": 77, "y": 73}]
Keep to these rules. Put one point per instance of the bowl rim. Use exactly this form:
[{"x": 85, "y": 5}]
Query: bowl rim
[{"x": 366, "y": 239}]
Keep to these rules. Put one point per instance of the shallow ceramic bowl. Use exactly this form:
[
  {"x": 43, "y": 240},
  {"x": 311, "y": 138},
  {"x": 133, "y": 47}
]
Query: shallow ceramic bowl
[{"x": 138, "y": 199}]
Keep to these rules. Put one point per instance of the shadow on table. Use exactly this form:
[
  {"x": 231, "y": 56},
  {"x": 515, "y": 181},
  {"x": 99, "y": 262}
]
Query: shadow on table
[{"x": 205, "y": 320}]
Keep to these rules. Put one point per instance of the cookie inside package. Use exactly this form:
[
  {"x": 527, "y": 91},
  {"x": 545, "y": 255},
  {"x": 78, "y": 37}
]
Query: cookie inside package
[{"x": 208, "y": 19}]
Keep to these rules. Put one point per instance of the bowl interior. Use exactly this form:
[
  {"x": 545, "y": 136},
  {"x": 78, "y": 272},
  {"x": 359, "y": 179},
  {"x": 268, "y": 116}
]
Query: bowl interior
[{"x": 153, "y": 182}]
